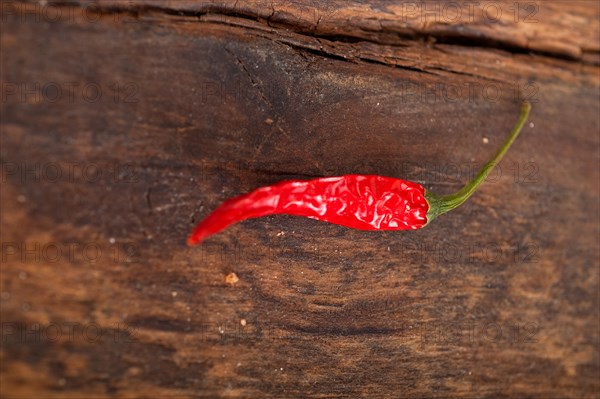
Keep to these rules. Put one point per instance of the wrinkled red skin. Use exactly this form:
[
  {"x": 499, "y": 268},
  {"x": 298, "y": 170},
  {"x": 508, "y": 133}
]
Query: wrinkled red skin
[{"x": 365, "y": 202}]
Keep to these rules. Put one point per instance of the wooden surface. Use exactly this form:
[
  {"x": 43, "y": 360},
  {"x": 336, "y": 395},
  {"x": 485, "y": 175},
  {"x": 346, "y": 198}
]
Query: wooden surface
[{"x": 148, "y": 114}]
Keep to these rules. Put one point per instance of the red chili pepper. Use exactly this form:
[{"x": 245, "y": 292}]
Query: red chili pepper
[{"x": 365, "y": 202}]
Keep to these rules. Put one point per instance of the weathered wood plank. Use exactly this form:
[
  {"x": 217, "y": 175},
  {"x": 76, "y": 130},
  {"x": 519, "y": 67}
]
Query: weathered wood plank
[
  {"x": 498, "y": 299},
  {"x": 564, "y": 28}
]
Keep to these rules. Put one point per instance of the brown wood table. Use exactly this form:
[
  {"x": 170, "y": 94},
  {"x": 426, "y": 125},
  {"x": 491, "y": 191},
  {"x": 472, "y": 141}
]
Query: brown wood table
[{"x": 125, "y": 122}]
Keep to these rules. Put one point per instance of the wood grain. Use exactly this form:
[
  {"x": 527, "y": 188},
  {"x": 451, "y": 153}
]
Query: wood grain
[{"x": 124, "y": 123}]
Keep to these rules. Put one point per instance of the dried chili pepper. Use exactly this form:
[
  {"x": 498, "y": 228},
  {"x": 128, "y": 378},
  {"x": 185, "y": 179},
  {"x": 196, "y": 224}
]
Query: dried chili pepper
[{"x": 365, "y": 202}]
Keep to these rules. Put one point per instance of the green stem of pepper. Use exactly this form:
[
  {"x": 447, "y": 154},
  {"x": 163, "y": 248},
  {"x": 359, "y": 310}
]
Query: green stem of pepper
[{"x": 442, "y": 204}]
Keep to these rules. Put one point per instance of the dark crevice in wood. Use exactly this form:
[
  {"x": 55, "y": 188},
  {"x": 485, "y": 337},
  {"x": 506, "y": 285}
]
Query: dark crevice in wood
[
  {"x": 330, "y": 55},
  {"x": 408, "y": 68},
  {"x": 487, "y": 43},
  {"x": 345, "y": 331}
]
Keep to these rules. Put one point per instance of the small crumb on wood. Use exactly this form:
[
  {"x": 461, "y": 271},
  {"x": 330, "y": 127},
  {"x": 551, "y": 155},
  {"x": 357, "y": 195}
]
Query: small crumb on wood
[
  {"x": 485, "y": 140},
  {"x": 231, "y": 278},
  {"x": 531, "y": 125},
  {"x": 269, "y": 121},
  {"x": 243, "y": 322}
]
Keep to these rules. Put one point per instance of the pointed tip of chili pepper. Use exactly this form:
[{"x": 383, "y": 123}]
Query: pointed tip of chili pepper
[
  {"x": 201, "y": 233},
  {"x": 193, "y": 239}
]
